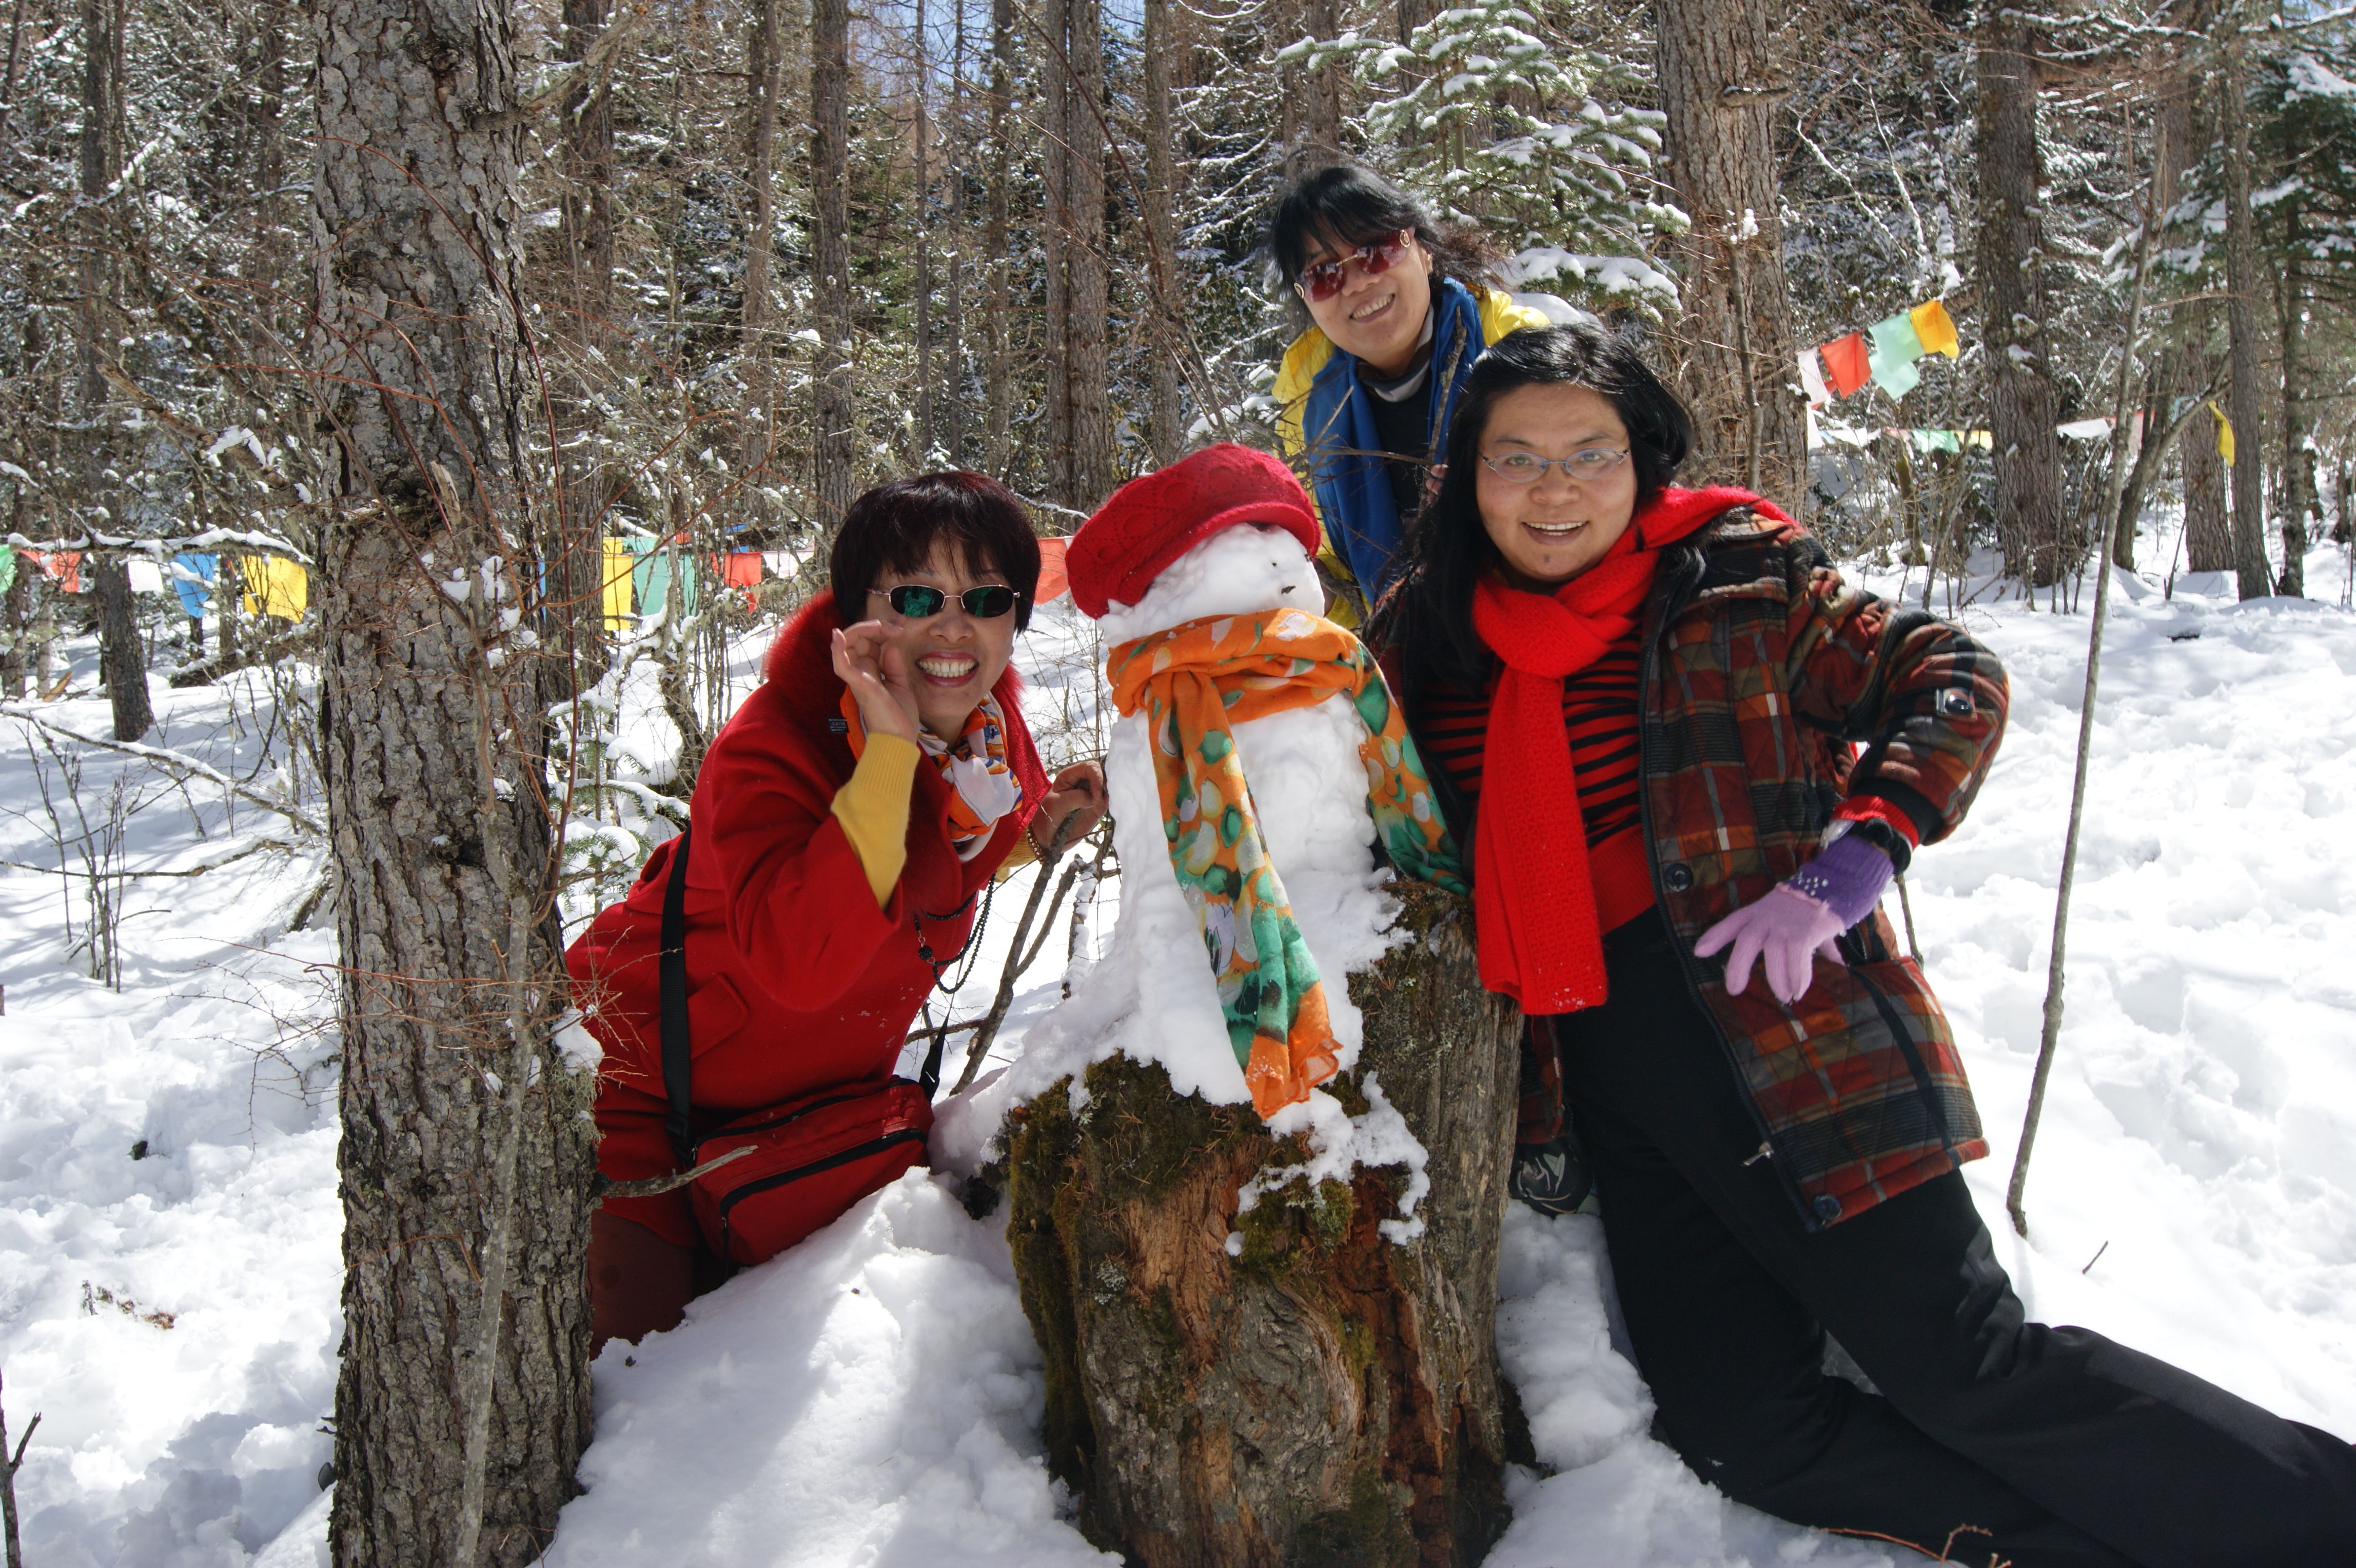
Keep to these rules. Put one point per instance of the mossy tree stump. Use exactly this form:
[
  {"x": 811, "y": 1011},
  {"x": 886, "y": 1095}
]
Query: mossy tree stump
[{"x": 1328, "y": 1396}]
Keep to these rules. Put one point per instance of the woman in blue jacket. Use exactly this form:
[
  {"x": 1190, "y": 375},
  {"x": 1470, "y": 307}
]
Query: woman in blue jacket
[{"x": 1400, "y": 308}]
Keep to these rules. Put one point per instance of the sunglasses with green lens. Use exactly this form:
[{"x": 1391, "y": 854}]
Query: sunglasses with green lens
[{"x": 914, "y": 601}]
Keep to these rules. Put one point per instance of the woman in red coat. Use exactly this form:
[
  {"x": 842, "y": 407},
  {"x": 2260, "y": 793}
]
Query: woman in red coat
[{"x": 837, "y": 837}]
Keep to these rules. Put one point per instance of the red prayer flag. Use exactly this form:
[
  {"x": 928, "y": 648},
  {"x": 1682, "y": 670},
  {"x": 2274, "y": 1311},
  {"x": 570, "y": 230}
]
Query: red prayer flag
[
  {"x": 1849, "y": 364},
  {"x": 1052, "y": 579},
  {"x": 744, "y": 569}
]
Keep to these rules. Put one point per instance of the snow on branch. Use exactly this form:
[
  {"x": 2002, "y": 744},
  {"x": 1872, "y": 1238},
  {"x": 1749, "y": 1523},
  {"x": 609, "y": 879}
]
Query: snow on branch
[{"x": 179, "y": 762}]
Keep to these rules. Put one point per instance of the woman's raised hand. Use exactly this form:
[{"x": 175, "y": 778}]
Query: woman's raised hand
[
  {"x": 868, "y": 659},
  {"x": 1078, "y": 792}
]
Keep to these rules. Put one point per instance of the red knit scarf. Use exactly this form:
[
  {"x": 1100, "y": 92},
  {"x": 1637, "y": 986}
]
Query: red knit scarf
[{"x": 1533, "y": 905}]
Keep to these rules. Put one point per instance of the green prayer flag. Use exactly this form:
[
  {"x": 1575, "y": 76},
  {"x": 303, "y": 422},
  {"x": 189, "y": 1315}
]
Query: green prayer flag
[
  {"x": 7, "y": 568},
  {"x": 1896, "y": 346},
  {"x": 1938, "y": 440}
]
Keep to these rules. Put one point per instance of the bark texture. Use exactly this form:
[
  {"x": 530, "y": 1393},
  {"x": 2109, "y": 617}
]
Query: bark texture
[
  {"x": 835, "y": 446},
  {"x": 2185, "y": 369},
  {"x": 462, "y": 1403},
  {"x": 1718, "y": 90},
  {"x": 2021, "y": 403},
  {"x": 2297, "y": 498},
  {"x": 2255, "y": 581},
  {"x": 1078, "y": 427},
  {"x": 1162, "y": 51},
  {"x": 1327, "y": 1396}
]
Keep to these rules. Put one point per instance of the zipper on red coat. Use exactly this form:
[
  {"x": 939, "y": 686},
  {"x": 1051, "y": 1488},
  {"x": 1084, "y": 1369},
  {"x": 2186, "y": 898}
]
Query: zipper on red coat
[{"x": 1647, "y": 679}]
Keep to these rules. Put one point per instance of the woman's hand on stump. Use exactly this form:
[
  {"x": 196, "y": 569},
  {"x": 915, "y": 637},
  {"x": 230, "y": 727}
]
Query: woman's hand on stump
[
  {"x": 868, "y": 659},
  {"x": 1076, "y": 793}
]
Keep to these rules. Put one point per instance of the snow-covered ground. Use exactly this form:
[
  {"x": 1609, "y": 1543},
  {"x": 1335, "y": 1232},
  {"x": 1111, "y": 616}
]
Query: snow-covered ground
[{"x": 871, "y": 1396}]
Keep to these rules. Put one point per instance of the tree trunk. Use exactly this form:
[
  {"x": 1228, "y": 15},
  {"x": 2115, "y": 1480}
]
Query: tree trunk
[
  {"x": 1162, "y": 237},
  {"x": 588, "y": 217},
  {"x": 2185, "y": 369},
  {"x": 1058, "y": 223},
  {"x": 2297, "y": 494},
  {"x": 588, "y": 207},
  {"x": 953, "y": 302},
  {"x": 1087, "y": 265},
  {"x": 2208, "y": 532},
  {"x": 1309, "y": 124},
  {"x": 121, "y": 657},
  {"x": 16, "y": 621},
  {"x": 923, "y": 225},
  {"x": 1736, "y": 325},
  {"x": 761, "y": 65},
  {"x": 835, "y": 447},
  {"x": 998, "y": 371},
  {"x": 2037, "y": 548},
  {"x": 122, "y": 660},
  {"x": 463, "y": 1403},
  {"x": 2242, "y": 328},
  {"x": 1324, "y": 1395}
]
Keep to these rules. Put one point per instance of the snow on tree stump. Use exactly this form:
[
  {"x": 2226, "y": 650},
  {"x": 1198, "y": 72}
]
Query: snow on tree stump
[{"x": 1324, "y": 1395}]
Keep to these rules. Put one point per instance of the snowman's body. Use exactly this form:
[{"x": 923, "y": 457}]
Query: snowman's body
[{"x": 1309, "y": 787}]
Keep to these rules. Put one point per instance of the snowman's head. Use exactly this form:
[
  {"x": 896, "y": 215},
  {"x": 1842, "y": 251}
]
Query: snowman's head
[
  {"x": 1250, "y": 566},
  {"x": 1223, "y": 531}
]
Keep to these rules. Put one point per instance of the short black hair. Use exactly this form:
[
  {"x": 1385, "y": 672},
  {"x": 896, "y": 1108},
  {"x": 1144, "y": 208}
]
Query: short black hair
[
  {"x": 896, "y": 527},
  {"x": 1447, "y": 549},
  {"x": 1350, "y": 203}
]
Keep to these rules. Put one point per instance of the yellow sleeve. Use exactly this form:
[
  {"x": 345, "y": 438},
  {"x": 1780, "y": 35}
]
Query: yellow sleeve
[
  {"x": 1500, "y": 313},
  {"x": 1025, "y": 852},
  {"x": 873, "y": 810}
]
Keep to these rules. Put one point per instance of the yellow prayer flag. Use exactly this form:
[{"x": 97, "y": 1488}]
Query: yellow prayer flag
[
  {"x": 2224, "y": 432},
  {"x": 1935, "y": 328},
  {"x": 276, "y": 587},
  {"x": 615, "y": 602}
]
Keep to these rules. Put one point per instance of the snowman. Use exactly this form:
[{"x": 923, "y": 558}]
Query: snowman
[{"x": 1258, "y": 763}]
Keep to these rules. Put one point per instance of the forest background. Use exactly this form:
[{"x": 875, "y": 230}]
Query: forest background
[{"x": 442, "y": 303}]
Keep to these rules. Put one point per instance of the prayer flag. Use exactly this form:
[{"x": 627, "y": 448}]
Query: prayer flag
[
  {"x": 146, "y": 577},
  {"x": 191, "y": 571},
  {"x": 2224, "y": 432},
  {"x": 1983, "y": 439},
  {"x": 614, "y": 593},
  {"x": 64, "y": 566},
  {"x": 1812, "y": 380},
  {"x": 7, "y": 568},
  {"x": 1846, "y": 363},
  {"x": 1895, "y": 349},
  {"x": 2084, "y": 429},
  {"x": 652, "y": 576},
  {"x": 276, "y": 586},
  {"x": 1052, "y": 579},
  {"x": 1938, "y": 440},
  {"x": 1935, "y": 329}
]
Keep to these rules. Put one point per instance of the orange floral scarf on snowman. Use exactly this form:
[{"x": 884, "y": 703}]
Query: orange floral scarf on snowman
[{"x": 1194, "y": 682}]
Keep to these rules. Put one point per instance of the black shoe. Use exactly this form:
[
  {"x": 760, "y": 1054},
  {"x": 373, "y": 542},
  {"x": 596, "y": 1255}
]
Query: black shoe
[{"x": 1552, "y": 1178}]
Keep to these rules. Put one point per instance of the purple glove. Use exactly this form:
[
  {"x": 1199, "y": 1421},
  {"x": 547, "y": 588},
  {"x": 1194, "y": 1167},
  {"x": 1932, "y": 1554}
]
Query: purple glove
[{"x": 1799, "y": 917}]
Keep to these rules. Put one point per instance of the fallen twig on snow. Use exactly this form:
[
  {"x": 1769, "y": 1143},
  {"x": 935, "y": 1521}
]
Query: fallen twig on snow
[{"x": 164, "y": 757}]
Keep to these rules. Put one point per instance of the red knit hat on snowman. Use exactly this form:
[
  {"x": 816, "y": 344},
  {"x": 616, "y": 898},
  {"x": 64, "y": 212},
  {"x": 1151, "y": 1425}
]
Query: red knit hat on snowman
[{"x": 1156, "y": 518}]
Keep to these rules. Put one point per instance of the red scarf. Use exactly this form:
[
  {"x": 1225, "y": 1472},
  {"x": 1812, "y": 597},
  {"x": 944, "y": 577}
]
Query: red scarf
[{"x": 1534, "y": 905}]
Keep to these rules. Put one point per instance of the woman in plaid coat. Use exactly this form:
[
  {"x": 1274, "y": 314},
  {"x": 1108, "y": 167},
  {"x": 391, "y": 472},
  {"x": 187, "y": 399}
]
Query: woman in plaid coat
[{"x": 1681, "y": 747}]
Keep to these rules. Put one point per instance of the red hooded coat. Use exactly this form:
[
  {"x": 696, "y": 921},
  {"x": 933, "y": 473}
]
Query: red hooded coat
[{"x": 797, "y": 982}]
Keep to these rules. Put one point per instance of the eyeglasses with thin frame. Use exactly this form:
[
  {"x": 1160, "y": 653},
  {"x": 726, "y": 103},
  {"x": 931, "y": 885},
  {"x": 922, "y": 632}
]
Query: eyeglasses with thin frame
[
  {"x": 914, "y": 601},
  {"x": 1320, "y": 283},
  {"x": 1586, "y": 466}
]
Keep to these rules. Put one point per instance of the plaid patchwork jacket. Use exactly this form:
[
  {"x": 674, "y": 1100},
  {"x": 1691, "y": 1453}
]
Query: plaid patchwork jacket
[{"x": 1762, "y": 669}]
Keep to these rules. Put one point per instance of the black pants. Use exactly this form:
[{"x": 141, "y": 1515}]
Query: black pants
[{"x": 2046, "y": 1447}]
